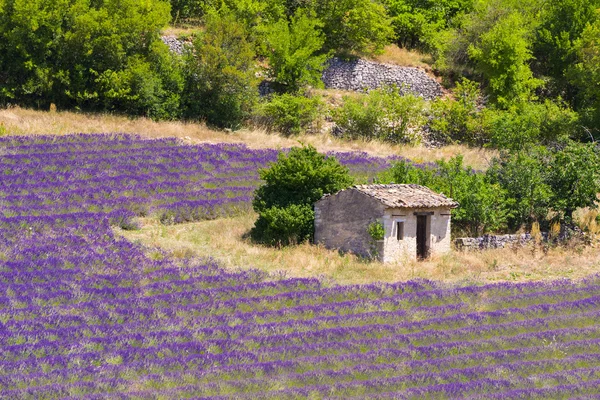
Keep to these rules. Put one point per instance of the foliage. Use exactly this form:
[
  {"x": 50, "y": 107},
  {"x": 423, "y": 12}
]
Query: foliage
[
  {"x": 457, "y": 120},
  {"x": 376, "y": 230},
  {"x": 555, "y": 45},
  {"x": 383, "y": 114},
  {"x": 221, "y": 87},
  {"x": 296, "y": 180},
  {"x": 574, "y": 176},
  {"x": 418, "y": 22},
  {"x": 481, "y": 203},
  {"x": 90, "y": 55},
  {"x": 354, "y": 27},
  {"x": 544, "y": 184},
  {"x": 290, "y": 114},
  {"x": 186, "y": 9},
  {"x": 282, "y": 226},
  {"x": 524, "y": 178},
  {"x": 527, "y": 124},
  {"x": 293, "y": 59},
  {"x": 585, "y": 75},
  {"x": 502, "y": 55}
]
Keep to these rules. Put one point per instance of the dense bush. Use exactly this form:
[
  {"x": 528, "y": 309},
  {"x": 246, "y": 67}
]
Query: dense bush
[
  {"x": 457, "y": 120},
  {"x": 530, "y": 123},
  {"x": 292, "y": 185},
  {"x": 221, "y": 86},
  {"x": 417, "y": 23},
  {"x": 383, "y": 114},
  {"x": 290, "y": 114}
]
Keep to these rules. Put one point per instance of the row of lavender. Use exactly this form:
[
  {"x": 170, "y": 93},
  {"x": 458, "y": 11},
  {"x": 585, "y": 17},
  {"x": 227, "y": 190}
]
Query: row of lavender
[
  {"x": 85, "y": 314},
  {"x": 48, "y": 175}
]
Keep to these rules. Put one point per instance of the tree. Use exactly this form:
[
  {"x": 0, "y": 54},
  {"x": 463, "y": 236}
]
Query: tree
[
  {"x": 555, "y": 48},
  {"x": 418, "y": 22},
  {"x": 574, "y": 176},
  {"x": 502, "y": 55},
  {"x": 524, "y": 177},
  {"x": 293, "y": 59},
  {"x": 90, "y": 55},
  {"x": 354, "y": 27},
  {"x": 221, "y": 86},
  {"x": 585, "y": 75},
  {"x": 292, "y": 184}
]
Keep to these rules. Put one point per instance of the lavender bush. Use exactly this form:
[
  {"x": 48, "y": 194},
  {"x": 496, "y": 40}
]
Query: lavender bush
[{"x": 88, "y": 315}]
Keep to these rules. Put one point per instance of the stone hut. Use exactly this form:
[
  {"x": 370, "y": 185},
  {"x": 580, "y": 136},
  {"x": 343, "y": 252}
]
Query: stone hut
[{"x": 415, "y": 220}]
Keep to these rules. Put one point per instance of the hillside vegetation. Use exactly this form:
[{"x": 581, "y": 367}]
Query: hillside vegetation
[{"x": 522, "y": 68}]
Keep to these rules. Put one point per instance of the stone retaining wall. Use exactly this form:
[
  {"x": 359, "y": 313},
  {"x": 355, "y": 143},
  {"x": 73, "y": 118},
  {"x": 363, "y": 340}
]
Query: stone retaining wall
[{"x": 359, "y": 75}]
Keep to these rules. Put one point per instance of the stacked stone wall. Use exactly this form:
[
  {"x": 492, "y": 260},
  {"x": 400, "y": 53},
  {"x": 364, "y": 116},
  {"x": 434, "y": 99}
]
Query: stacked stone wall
[{"x": 360, "y": 75}]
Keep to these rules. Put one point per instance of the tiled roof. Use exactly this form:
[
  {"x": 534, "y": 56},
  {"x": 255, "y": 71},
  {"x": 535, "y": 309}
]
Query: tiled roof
[{"x": 406, "y": 196}]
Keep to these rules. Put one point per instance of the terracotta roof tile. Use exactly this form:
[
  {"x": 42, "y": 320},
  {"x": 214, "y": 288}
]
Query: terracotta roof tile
[{"x": 406, "y": 196}]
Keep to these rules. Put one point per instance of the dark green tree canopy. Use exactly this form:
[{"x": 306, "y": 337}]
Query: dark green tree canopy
[
  {"x": 302, "y": 176},
  {"x": 292, "y": 184}
]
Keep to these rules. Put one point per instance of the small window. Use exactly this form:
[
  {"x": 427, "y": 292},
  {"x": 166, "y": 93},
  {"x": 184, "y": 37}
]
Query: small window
[{"x": 400, "y": 230}]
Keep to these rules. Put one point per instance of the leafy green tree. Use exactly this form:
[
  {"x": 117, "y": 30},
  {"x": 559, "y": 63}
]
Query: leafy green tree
[
  {"x": 502, "y": 56},
  {"x": 221, "y": 86},
  {"x": 527, "y": 124},
  {"x": 89, "y": 55},
  {"x": 523, "y": 176},
  {"x": 292, "y": 184},
  {"x": 293, "y": 59},
  {"x": 574, "y": 176},
  {"x": 554, "y": 49},
  {"x": 418, "y": 22},
  {"x": 585, "y": 75},
  {"x": 354, "y": 27}
]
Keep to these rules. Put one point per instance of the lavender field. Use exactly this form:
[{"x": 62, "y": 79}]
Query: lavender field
[{"x": 84, "y": 314}]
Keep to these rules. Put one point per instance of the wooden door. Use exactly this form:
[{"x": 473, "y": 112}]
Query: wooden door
[{"x": 422, "y": 245}]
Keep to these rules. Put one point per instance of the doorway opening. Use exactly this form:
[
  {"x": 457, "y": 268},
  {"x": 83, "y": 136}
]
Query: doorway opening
[{"x": 422, "y": 237}]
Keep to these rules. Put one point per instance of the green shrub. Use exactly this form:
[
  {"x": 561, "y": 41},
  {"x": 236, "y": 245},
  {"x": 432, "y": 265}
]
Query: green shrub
[
  {"x": 383, "y": 114},
  {"x": 292, "y": 185},
  {"x": 528, "y": 124},
  {"x": 290, "y": 114},
  {"x": 376, "y": 230},
  {"x": 354, "y": 27},
  {"x": 574, "y": 176},
  {"x": 457, "y": 120},
  {"x": 277, "y": 226},
  {"x": 523, "y": 177}
]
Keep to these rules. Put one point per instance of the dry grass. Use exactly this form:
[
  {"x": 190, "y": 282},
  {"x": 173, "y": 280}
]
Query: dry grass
[
  {"x": 180, "y": 31},
  {"x": 392, "y": 54},
  {"x": 22, "y": 121},
  {"x": 223, "y": 240}
]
